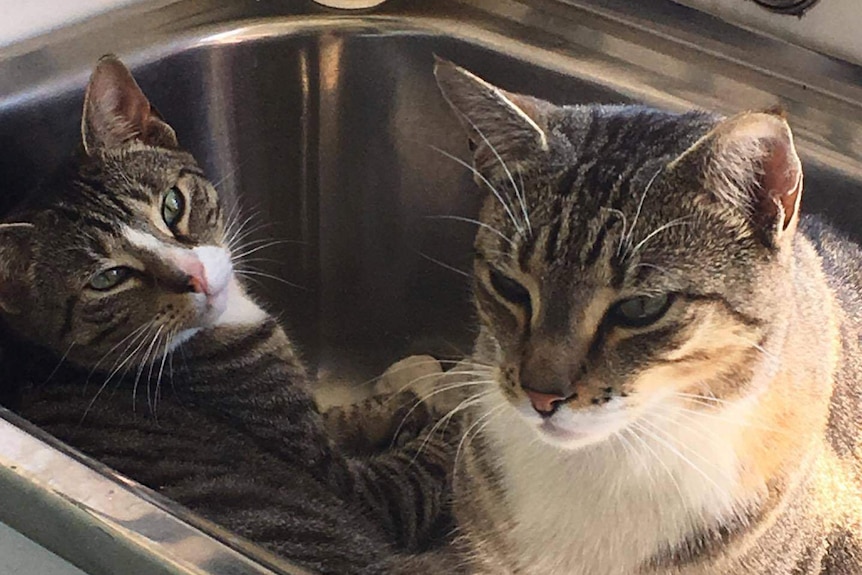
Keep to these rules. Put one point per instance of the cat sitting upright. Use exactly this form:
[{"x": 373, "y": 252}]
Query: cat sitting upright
[
  {"x": 675, "y": 349},
  {"x": 122, "y": 259}
]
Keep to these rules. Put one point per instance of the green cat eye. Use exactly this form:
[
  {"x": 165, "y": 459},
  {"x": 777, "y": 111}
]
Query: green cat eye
[
  {"x": 109, "y": 278},
  {"x": 509, "y": 289},
  {"x": 640, "y": 311},
  {"x": 173, "y": 206}
]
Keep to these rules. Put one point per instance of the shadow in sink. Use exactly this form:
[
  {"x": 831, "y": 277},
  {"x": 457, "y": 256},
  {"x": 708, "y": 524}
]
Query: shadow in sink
[{"x": 325, "y": 126}]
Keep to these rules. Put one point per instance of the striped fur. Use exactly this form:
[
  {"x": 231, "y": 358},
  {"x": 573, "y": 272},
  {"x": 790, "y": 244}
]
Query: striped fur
[
  {"x": 721, "y": 436},
  {"x": 172, "y": 375}
]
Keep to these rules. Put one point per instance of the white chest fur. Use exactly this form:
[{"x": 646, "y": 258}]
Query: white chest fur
[{"x": 607, "y": 508}]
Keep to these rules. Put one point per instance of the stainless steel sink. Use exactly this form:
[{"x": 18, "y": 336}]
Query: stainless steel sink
[{"x": 325, "y": 123}]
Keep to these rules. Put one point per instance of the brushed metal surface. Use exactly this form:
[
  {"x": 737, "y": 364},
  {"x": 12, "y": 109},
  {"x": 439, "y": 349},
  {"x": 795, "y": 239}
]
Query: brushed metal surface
[{"x": 326, "y": 124}]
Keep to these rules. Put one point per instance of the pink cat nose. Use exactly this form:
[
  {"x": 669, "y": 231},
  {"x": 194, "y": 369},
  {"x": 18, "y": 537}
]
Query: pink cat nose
[
  {"x": 197, "y": 277},
  {"x": 198, "y": 283},
  {"x": 544, "y": 403}
]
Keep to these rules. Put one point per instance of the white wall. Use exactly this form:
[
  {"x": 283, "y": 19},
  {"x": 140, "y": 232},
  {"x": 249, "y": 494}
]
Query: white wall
[{"x": 20, "y": 19}]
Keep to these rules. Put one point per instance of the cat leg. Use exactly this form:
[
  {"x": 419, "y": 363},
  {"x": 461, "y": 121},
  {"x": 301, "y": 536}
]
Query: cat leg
[
  {"x": 407, "y": 489},
  {"x": 448, "y": 561},
  {"x": 393, "y": 415}
]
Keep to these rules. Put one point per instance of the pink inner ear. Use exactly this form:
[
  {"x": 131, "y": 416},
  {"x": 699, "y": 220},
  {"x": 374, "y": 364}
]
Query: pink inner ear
[
  {"x": 117, "y": 110},
  {"x": 781, "y": 182}
]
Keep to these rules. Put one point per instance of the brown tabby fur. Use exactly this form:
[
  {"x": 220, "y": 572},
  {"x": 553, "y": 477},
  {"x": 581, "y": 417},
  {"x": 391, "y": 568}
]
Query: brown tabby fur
[
  {"x": 118, "y": 272},
  {"x": 721, "y": 435}
]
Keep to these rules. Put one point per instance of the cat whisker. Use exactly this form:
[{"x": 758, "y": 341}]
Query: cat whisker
[
  {"x": 445, "y": 265},
  {"x": 227, "y": 176},
  {"x": 141, "y": 366},
  {"x": 463, "y": 405},
  {"x": 469, "y": 362},
  {"x": 672, "y": 444},
  {"x": 627, "y": 445},
  {"x": 636, "y": 427},
  {"x": 242, "y": 237},
  {"x": 622, "y": 216},
  {"x": 168, "y": 338},
  {"x": 118, "y": 365},
  {"x": 518, "y": 195},
  {"x": 664, "y": 227},
  {"x": 233, "y": 229},
  {"x": 703, "y": 397},
  {"x": 268, "y": 244},
  {"x": 628, "y": 238},
  {"x": 415, "y": 381},
  {"x": 247, "y": 272},
  {"x": 256, "y": 241},
  {"x": 740, "y": 422},
  {"x": 655, "y": 267},
  {"x": 476, "y": 222},
  {"x": 413, "y": 364},
  {"x": 523, "y": 199},
  {"x": 399, "y": 369},
  {"x": 765, "y": 352},
  {"x": 114, "y": 348},
  {"x": 488, "y": 417},
  {"x": 425, "y": 398},
  {"x": 57, "y": 367},
  {"x": 258, "y": 260},
  {"x": 490, "y": 186}
]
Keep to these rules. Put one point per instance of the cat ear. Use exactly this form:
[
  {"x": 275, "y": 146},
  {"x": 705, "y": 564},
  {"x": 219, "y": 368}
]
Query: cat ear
[
  {"x": 116, "y": 111},
  {"x": 750, "y": 162},
  {"x": 15, "y": 250},
  {"x": 502, "y": 127}
]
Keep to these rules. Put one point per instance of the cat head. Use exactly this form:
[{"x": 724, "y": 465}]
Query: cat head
[
  {"x": 125, "y": 251},
  {"x": 629, "y": 259}
]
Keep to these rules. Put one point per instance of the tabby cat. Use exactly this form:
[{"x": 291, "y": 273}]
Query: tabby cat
[
  {"x": 120, "y": 269},
  {"x": 675, "y": 349}
]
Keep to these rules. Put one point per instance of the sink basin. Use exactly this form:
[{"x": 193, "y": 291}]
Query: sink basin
[{"x": 325, "y": 126}]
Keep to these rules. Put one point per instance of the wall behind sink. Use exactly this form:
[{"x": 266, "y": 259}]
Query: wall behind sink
[
  {"x": 21, "y": 19},
  {"x": 830, "y": 26}
]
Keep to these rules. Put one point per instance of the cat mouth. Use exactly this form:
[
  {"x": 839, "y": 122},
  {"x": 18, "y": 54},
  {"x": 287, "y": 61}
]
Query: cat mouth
[
  {"x": 576, "y": 428},
  {"x": 214, "y": 304}
]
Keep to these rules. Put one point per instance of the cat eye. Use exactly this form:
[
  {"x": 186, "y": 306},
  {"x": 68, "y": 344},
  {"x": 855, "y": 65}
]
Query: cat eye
[
  {"x": 173, "y": 206},
  {"x": 110, "y": 278},
  {"x": 640, "y": 311},
  {"x": 509, "y": 289}
]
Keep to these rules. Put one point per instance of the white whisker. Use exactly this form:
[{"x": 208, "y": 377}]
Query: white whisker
[
  {"x": 641, "y": 205},
  {"x": 478, "y": 223},
  {"x": 247, "y": 272},
  {"x": 445, "y": 265},
  {"x": 671, "y": 224},
  {"x": 485, "y": 181}
]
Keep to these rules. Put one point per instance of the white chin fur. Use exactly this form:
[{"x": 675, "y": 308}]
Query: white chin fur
[
  {"x": 181, "y": 338},
  {"x": 570, "y": 429},
  {"x": 606, "y": 508},
  {"x": 235, "y": 307},
  {"x": 228, "y": 303}
]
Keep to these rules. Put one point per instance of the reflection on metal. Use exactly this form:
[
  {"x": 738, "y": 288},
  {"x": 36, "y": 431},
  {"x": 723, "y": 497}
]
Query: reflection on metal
[
  {"x": 790, "y": 7},
  {"x": 324, "y": 123},
  {"x": 349, "y": 4},
  {"x": 100, "y": 521}
]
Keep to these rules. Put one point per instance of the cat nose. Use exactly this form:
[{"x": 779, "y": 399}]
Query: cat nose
[
  {"x": 545, "y": 404},
  {"x": 197, "y": 277},
  {"x": 198, "y": 283}
]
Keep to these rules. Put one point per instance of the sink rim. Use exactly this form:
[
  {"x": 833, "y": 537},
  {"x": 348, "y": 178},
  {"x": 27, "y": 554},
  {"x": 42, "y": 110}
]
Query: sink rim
[{"x": 67, "y": 56}]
